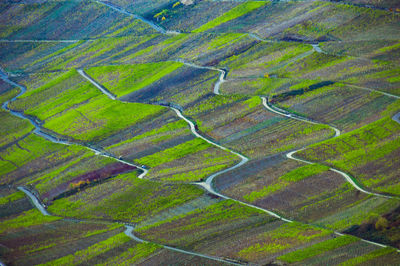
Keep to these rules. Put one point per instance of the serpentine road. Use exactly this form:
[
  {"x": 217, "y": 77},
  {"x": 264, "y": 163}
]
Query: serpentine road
[
  {"x": 209, "y": 181},
  {"x": 36, "y": 201},
  {"x": 289, "y": 155},
  {"x": 337, "y": 133},
  {"x": 208, "y": 184},
  {"x": 39, "y": 130},
  {"x": 128, "y": 231}
]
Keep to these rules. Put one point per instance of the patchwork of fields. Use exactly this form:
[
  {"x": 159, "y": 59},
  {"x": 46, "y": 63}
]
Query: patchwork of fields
[{"x": 199, "y": 132}]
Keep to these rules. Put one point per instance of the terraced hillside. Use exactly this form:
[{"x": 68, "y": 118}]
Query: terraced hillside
[{"x": 199, "y": 132}]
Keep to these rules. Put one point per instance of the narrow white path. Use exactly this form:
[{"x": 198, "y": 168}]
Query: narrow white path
[
  {"x": 38, "y": 128},
  {"x": 346, "y": 176},
  {"x": 208, "y": 184},
  {"x": 35, "y": 201},
  {"x": 372, "y": 90},
  {"x": 97, "y": 85},
  {"x": 129, "y": 232},
  {"x": 283, "y": 113},
  {"x": 317, "y": 48},
  {"x": 220, "y": 80},
  {"x": 396, "y": 117},
  {"x": 337, "y": 133}
]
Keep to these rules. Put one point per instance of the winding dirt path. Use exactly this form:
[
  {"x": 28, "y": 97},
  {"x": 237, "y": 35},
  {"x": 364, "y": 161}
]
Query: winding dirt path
[
  {"x": 129, "y": 231},
  {"x": 372, "y": 90},
  {"x": 42, "y": 209},
  {"x": 35, "y": 201},
  {"x": 208, "y": 184},
  {"x": 39, "y": 129},
  {"x": 289, "y": 155}
]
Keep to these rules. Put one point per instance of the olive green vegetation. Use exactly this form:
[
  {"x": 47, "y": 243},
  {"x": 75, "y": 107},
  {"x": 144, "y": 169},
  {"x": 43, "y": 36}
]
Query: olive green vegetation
[
  {"x": 214, "y": 102},
  {"x": 18, "y": 155},
  {"x": 264, "y": 59},
  {"x": 371, "y": 143},
  {"x": 58, "y": 52},
  {"x": 79, "y": 164},
  {"x": 125, "y": 198},
  {"x": 89, "y": 122},
  {"x": 284, "y": 237},
  {"x": 7, "y": 95},
  {"x": 176, "y": 152},
  {"x": 13, "y": 128},
  {"x": 195, "y": 175},
  {"x": 12, "y": 197},
  {"x": 362, "y": 211},
  {"x": 124, "y": 79},
  {"x": 107, "y": 228},
  {"x": 170, "y": 127},
  {"x": 224, "y": 40},
  {"x": 130, "y": 255},
  {"x": 285, "y": 180},
  {"x": 310, "y": 63},
  {"x": 369, "y": 256},
  {"x": 235, "y": 12},
  {"x": 319, "y": 248},
  {"x": 26, "y": 219},
  {"x": 218, "y": 213},
  {"x": 133, "y": 255},
  {"x": 72, "y": 106}
]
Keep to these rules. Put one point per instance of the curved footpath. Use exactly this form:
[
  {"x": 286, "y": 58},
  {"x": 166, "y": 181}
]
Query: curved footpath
[
  {"x": 372, "y": 90},
  {"x": 315, "y": 46},
  {"x": 289, "y": 155},
  {"x": 208, "y": 184},
  {"x": 42, "y": 209},
  {"x": 38, "y": 128},
  {"x": 97, "y": 85},
  {"x": 278, "y": 111},
  {"x": 128, "y": 231}
]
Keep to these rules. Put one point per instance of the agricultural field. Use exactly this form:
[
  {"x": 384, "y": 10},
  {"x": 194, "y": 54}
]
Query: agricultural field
[{"x": 199, "y": 132}]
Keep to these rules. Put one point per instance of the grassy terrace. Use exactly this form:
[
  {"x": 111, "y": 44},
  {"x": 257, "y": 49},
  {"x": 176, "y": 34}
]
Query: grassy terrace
[
  {"x": 119, "y": 79},
  {"x": 131, "y": 252},
  {"x": 341, "y": 105},
  {"x": 80, "y": 110},
  {"x": 125, "y": 198},
  {"x": 316, "y": 249},
  {"x": 58, "y": 21},
  {"x": 54, "y": 168},
  {"x": 355, "y": 152},
  {"x": 291, "y": 177},
  {"x": 231, "y": 14},
  {"x": 11, "y": 128},
  {"x": 359, "y": 53}
]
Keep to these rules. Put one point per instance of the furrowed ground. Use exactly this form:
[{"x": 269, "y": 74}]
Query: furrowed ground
[{"x": 100, "y": 140}]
